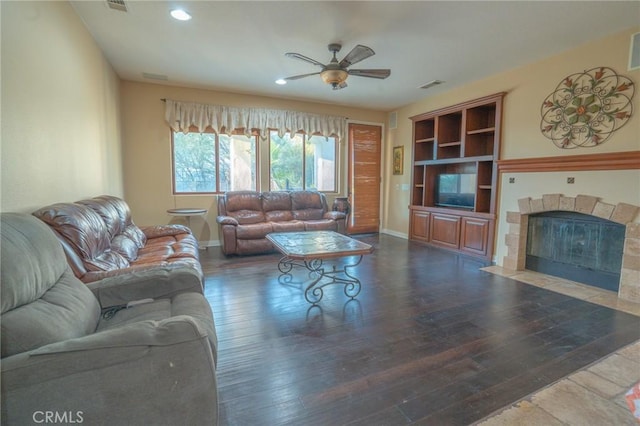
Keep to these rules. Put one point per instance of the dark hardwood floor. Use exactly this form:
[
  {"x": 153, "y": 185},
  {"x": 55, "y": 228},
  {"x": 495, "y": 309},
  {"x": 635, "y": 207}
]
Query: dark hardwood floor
[{"x": 430, "y": 339}]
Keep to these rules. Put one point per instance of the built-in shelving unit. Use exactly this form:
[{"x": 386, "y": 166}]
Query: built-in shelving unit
[{"x": 454, "y": 177}]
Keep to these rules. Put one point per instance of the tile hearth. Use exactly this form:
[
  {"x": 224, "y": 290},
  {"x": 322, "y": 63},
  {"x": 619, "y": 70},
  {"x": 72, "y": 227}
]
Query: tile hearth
[{"x": 570, "y": 288}]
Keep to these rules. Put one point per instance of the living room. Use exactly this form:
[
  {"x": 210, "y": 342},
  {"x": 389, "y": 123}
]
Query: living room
[{"x": 73, "y": 129}]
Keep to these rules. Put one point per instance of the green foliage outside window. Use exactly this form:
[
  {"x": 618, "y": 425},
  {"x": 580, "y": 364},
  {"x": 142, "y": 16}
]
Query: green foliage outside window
[
  {"x": 287, "y": 160},
  {"x": 206, "y": 162},
  {"x": 194, "y": 162}
]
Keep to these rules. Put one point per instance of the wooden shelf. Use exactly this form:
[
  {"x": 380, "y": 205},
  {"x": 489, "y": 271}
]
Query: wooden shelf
[
  {"x": 463, "y": 141},
  {"x": 425, "y": 140},
  {"x": 480, "y": 131}
]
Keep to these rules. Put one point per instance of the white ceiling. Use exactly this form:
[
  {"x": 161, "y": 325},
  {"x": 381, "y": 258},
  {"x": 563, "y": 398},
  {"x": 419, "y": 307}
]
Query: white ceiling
[{"x": 240, "y": 46}]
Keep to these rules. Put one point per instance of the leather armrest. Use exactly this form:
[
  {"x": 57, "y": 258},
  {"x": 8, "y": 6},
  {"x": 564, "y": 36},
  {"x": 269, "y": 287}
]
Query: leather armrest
[
  {"x": 226, "y": 220},
  {"x": 334, "y": 215},
  {"x": 155, "y": 283},
  {"x": 92, "y": 276}
]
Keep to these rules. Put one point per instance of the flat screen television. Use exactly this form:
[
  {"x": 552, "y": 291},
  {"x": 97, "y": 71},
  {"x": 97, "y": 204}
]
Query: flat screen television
[{"x": 456, "y": 190}]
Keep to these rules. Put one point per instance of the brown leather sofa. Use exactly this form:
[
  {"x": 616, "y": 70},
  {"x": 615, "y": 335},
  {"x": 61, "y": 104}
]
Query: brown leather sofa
[
  {"x": 246, "y": 217},
  {"x": 100, "y": 240}
]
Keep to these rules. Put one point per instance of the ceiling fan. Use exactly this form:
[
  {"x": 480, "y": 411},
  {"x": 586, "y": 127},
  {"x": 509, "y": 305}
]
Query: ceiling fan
[{"x": 335, "y": 73}]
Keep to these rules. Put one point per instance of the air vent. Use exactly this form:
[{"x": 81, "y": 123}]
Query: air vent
[
  {"x": 431, "y": 84},
  {"x": 117, "y": 5},
  {"x": 393, "y": 120},
  {"x": 151, "y": 76}
]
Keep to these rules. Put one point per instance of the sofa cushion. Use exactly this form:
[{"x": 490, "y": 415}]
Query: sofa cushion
[
  {"x": 278, "y": 216},
  {"x": 136, "y": 234},
  {"x": 290, "y": 226},
  {"x": 276, "y": 200},
  {"x": 107, "y": 261},
  {"x": 320, "y": 225},
  {"x": 86, "y": 232},
  {"x": 125, "y": 246},
  {"x": 301, "y": 200},
  {"x": 307, "y": 205},
  {"x": 308, "y": 214},
  {"x": 253, "y": 231},
  {"x": 191, "y": 304},
  {"x": 108, "y": 213},
  {"x": 126, "y": 222},
  {"x": 245, "y": 207},
  {"x": 277, "y": 206},
  {"x": 42, "y": 301}
]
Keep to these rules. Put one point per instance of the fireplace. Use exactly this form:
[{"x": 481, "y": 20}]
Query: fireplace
[
  {"x": 623, "y": 214},
  {"x": 576, "y": 246}
]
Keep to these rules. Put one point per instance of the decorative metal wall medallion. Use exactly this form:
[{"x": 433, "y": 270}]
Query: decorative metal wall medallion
[{"x": 586, "y": 108}]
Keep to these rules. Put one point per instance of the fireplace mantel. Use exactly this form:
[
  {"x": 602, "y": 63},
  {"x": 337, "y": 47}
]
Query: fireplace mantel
[{"x": 612, "y": 161}]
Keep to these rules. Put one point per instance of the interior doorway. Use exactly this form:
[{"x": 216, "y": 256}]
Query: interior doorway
[{"x": 365, "y": 142}]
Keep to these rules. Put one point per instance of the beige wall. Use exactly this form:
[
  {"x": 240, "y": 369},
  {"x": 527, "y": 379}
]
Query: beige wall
[
  {"x": 526, "y": 88},
  {"x": 60, "y": 138},
  {"x": 62, "y": 128},
  {"x": 147, "y": 149}
]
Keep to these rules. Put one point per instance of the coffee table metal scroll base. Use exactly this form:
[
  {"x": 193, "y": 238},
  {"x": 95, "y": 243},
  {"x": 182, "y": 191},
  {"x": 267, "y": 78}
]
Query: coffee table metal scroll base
[
  {"x": 313, "y": 293},
  {"x": 310, "y": 249}
]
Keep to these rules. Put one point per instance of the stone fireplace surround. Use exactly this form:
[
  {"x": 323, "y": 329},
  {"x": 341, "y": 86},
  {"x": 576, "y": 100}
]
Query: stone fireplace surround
[{"x": 516, "y": 238}]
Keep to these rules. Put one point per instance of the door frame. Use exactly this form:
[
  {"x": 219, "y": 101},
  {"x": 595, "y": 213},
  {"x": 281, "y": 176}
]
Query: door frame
[{"x": 383, "y": 165}]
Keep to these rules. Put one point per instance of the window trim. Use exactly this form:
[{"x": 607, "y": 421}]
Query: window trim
[
  {"x": 209, "y": 130},
  {"x": 336, "y": 165}
]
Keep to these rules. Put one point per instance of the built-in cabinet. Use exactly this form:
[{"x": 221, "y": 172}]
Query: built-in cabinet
[{"x": 454, "y": 176}]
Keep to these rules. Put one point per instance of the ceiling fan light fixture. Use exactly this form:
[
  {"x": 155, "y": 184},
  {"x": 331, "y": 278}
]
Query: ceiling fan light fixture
[
  {"x": 334, "y": 77},
  {"x": 336, "y": 73}
]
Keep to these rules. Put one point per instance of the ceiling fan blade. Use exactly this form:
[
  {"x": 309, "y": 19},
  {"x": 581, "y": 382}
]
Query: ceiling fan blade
[
  {"x": 297, "y": 77},
  {"x": 356, "y": 55},
  {"x": 380, "y": 73},
  {"x": 303, "y": 58}
]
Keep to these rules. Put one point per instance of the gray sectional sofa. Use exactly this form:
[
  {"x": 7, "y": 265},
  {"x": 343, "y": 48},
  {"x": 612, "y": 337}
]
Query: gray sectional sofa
[{"x": 96, "y": 353}]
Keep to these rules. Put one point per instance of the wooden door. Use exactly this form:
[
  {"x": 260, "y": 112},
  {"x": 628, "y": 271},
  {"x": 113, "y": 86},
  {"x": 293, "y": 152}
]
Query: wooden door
[{"x": 365, "y": 143}]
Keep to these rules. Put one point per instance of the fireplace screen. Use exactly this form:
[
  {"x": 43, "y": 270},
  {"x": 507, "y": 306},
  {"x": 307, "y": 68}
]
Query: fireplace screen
[{"x": 575, "y": 246}]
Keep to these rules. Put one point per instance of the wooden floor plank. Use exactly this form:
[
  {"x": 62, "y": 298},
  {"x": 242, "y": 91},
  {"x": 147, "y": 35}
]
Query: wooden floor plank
[{"x": 431, "y": 339}]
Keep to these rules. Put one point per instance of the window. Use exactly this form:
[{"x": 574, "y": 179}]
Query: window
[
  {"x": 210, "y": 163},
  {"x": 302, "y": 162}
]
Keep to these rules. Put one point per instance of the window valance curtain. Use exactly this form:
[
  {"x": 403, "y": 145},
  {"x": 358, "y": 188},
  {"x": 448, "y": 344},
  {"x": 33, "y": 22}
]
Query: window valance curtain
[{"x": 181, "y": 116}]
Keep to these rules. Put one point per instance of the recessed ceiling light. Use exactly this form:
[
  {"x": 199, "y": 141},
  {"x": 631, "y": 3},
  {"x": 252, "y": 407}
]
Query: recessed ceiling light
[
  {"x": 180, "y": 15},
  {"x": 281, "y": 81}
]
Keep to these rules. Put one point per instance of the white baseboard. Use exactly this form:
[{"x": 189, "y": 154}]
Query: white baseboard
[
  {"x": 395, "y": 233},
  {"x": 210, "y": 243}
]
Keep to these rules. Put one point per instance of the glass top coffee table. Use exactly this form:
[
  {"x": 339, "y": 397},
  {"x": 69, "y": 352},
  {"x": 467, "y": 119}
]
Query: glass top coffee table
[{"x": 310, "y": 249}]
